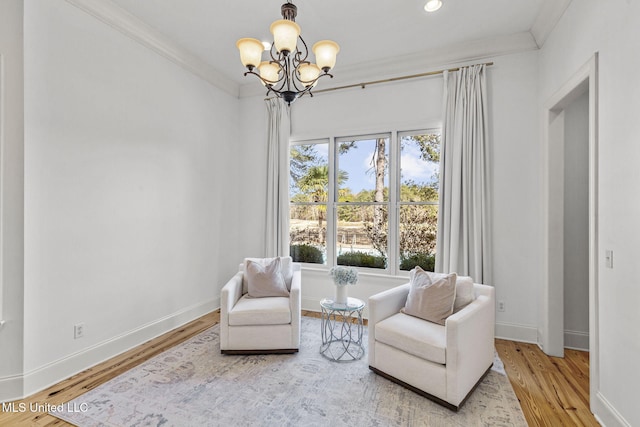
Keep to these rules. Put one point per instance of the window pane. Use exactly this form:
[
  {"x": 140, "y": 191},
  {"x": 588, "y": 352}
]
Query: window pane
[
  {"x": 363, "y": 170},
  {"x": 309, "y": 173},
  {"x": 362, "y": 236},
  {"x": 419, "y": 167},
  {"x": 418, "y": 226},
  {"x": 307, "y": 233}
]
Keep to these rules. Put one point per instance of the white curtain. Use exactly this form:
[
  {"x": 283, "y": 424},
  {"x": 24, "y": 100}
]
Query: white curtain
[
  {"x": 277, "y": 205},
  {"x": 463, "y": 239}
]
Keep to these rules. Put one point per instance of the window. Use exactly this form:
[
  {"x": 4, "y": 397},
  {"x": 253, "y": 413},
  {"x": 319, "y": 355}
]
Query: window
[
  {"x": 418, "y": 201},
  {"x": 362, "y": 201},
  {"x": 366, "y": 201},
  {"x": 309, "y": 196}
]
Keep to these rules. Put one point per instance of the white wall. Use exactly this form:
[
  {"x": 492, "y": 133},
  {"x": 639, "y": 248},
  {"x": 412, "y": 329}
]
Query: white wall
[
  {"x": 416, "y": 104},
  {"x": 610, "y": 28},
  {"x": 11, "y": 197},
  {"x": 130, "y": 181},
  {"x": 576, "y": 224}
]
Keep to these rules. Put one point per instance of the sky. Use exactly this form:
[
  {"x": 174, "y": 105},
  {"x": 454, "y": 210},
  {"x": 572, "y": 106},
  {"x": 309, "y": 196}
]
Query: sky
[{"x": 357, "y": 162}]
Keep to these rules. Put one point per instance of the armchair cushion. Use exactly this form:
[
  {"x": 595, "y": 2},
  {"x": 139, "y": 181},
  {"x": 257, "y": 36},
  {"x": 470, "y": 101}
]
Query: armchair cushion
[
  {"x": 414, "y": 336},
  {"x": 260, "y": 311},
  {"x": 431, "y": 295},
  {"x": 265, "y": 280}
]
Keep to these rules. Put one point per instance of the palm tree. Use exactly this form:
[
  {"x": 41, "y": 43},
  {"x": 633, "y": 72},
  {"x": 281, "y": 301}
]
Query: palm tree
[{"x": 315, "y": 184}]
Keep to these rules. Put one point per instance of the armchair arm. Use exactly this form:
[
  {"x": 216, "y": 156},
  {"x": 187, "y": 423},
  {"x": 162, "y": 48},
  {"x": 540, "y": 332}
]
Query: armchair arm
[
  {"x": 295, "y": 301},
  {"x": 470, "y": 335},
  {"x": 387, "y": 303},
  {"x": 229, "y": 296},
  {"x": 383, "y": 305}
]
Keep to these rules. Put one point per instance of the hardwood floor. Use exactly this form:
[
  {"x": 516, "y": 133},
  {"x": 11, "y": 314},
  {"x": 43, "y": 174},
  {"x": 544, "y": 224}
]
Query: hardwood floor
[{"x": 552, "y": 391}]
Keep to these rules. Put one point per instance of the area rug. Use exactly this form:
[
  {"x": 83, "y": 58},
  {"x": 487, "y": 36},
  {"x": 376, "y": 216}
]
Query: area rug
[{"x": 192, "y": 384}]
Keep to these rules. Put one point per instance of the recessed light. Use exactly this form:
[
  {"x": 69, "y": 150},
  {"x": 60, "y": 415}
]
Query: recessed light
[
  {"x": 433, "y": 5},
  {"x": 267, "y": 45}
]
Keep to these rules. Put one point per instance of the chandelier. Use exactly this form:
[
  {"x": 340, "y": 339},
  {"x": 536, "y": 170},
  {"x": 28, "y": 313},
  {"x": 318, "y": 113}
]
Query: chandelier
[{"x": 288, "y": 74}]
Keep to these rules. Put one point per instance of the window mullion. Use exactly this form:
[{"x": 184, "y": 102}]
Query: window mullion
[
  {"x": 393, "y": 214},
  {"x": 331, "y": 204}
]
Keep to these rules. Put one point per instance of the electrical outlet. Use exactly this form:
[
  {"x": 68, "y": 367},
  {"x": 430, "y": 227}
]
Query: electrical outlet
[
  {"x": 78, "y": 331},
  {"x": 501, "y": 306}
]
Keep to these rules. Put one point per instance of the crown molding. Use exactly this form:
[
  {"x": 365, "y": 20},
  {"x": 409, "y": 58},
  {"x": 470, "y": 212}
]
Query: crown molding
[
  {"x": 549, "y": 16},
  {"x": 136, "y": 29},
  {"x": 428, "y": 60}
]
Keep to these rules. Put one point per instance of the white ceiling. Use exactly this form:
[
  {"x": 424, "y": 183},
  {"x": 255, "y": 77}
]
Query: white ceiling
[{"x": 367, "y": 31}]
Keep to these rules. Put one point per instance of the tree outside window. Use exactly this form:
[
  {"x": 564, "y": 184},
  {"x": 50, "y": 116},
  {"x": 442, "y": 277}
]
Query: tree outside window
[{"x": 385, "y": 191}]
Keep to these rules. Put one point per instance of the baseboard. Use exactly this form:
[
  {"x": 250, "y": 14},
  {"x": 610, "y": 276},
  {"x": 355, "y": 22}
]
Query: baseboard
[
  {"x": 576, "y": 340},
  {"x": 605, "y": 413},
  {"x": 54, "y": 372},
  {"x": 10, "y": 388},
  {"x": 516, "y": 332}
]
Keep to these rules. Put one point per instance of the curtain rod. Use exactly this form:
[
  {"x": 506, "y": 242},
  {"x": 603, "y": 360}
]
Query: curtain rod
[{"x": 392, "y": 79}]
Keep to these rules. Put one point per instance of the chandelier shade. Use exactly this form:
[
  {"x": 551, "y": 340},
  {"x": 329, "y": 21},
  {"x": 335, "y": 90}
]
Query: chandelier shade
[
  {"x": 269, "y": 72},
  {"x": 309, "y": 73},
  {"x": 285, "y": 35},
  {"x": 250, "y": 52},
  {"x": 288, "y": 73},
  {"x": 326, "y": 52}
]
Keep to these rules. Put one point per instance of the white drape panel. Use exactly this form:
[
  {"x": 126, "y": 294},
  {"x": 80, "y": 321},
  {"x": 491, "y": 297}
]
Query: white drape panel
[
  {"x": 463, "y": 239},
  {"x": 277, "y": 205}
]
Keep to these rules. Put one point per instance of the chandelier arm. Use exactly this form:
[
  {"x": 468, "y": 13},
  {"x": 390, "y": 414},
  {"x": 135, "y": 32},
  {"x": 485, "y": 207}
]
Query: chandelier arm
[
  {"x": 274, "y": 59},
  {"x": 306, "y": 50},
  {"x": 268, "y": 84}
]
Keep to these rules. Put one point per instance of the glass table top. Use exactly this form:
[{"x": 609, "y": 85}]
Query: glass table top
[{"x": 352, "y": 304}]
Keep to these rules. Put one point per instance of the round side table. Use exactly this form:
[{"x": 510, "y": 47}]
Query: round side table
[{"x": 342, "y": 329}]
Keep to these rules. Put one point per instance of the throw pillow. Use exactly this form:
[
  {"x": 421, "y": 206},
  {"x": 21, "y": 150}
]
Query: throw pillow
[
  {"x": 431, "y": 295},
  {"x": 265, "y": 280},
  {"x": 464, "y": 292},
  {"x": 286, "y": 268}
]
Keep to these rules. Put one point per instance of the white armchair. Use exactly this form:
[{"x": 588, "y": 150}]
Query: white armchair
[
  {"x": 261, "y": 325},
  {"x": 442, "y": 363}
]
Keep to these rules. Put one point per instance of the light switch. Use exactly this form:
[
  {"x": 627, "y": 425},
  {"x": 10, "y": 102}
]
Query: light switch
[{"x": 608, "y": 258}]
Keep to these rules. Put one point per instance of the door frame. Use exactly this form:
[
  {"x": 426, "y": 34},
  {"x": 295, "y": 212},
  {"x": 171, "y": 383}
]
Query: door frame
[{"x": 551, "y": 323}]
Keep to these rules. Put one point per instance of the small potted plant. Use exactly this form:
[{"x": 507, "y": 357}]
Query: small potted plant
[{"x": 343, "y": 276}]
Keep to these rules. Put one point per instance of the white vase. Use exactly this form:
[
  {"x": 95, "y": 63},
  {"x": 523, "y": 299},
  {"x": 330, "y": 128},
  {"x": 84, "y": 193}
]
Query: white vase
[{"x": 341, "y": 294}]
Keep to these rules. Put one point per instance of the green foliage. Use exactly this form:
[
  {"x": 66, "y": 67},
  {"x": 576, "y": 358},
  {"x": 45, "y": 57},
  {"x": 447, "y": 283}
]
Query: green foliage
[
  {"x": 362, "y": 259},
  {"x": 429, "y": 145},
  {"x": 426, "y": 261},
  {"x": 306, "y": 253},
  {"x": 301, "y": 158},
  {"x": 410, "y": 191}
]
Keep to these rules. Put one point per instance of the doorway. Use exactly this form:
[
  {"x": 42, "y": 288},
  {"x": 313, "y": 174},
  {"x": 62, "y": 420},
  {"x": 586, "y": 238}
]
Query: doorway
[{"x": 559, "y": 211}]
